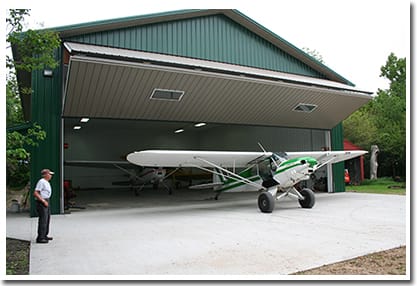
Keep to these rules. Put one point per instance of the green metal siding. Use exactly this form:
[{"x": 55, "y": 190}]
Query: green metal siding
[
  {"x": 215, "y": 37},
  {"x": 46, "y": 111},
  {"x": 338, "y": 169}
]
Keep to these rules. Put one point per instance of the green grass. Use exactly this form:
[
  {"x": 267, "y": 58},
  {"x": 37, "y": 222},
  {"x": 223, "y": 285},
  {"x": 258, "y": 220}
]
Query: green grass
[
  {"x": 17, "y": 257},
  {"x": 379, "y": 186}
]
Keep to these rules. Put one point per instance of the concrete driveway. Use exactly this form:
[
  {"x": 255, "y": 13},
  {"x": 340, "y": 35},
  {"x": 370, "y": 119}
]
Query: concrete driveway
[{"x": 186, "y": 234}]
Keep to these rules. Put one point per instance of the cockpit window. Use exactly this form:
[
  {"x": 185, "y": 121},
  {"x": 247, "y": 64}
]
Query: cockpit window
[
  {"x": 268, "y": 166},
  {"x": 265, "y": 170},
  {"x": 279, "y": 157},
  {"x": 282, "y": 155}
]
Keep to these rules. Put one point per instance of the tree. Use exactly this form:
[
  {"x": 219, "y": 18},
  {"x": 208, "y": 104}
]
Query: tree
[
  {"x": 34, "y": 47},
  {"x": 383, "y": 120},
  {"x": 360, "y": 129},
  {"x": 390, "y": 117},
  {"x": 14, "y": 113},
  {"x": 35, "y": 50}
]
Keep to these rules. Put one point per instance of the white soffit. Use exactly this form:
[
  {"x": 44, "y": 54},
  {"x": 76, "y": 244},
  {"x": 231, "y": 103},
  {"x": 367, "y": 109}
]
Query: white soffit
[{"x": 108, "y": 82}]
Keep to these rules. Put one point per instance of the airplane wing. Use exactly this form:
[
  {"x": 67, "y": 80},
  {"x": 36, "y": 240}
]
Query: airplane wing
[
  {"x": 324, "y": 157},
  {"x": 205, "y": 159},
  {"x": 226, "y": 159}
]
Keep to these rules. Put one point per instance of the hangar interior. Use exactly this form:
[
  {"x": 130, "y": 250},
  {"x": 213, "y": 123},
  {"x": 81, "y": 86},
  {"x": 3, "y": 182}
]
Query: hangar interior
[
  {"x": 112, "y": 140},
  {"x": 137, "y": 101}
]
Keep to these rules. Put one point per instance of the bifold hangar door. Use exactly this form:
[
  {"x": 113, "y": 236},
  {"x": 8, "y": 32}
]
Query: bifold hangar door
[{"x": 105, "y": 82}]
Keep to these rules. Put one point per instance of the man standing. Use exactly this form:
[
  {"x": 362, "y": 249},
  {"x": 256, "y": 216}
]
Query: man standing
[{"x": 42, "y": 194}]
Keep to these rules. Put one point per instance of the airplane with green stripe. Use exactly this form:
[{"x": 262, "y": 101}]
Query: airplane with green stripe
[{"x": 275, "y": 174}]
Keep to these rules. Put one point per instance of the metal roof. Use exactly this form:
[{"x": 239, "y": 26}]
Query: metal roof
[{"x": 116, "y": 83}]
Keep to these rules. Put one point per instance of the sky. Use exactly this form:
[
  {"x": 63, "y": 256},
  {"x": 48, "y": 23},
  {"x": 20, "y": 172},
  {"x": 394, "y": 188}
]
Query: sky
[{"x": 353, "y": 37}]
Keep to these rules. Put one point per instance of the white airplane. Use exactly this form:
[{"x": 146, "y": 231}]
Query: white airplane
[
  {"x": 265, "y": 171},
  {"x": 139, "y": 176}
]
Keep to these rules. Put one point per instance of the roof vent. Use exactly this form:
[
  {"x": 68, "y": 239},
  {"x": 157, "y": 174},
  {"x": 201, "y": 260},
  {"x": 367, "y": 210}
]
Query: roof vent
[
  {"x": 166, "y": 94},
  {"x": 304, "y": 107}
]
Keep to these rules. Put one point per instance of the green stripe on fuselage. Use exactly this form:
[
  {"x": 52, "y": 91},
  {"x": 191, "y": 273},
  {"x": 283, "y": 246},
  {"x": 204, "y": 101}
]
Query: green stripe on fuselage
[
  {"x": 247, "y": 174},
  {"x": 295, "y": 162}
]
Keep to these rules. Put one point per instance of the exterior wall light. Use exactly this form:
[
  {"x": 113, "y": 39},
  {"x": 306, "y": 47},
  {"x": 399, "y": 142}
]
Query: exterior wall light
[{"x": 47, "y": 73}]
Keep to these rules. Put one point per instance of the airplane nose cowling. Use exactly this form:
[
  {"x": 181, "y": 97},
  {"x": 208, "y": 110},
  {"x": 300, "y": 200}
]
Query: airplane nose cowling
[{"x": 312, "y": 162}]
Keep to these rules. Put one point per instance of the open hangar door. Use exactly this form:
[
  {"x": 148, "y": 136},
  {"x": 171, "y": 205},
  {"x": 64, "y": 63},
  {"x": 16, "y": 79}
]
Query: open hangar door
[
  {"x": 110, "y": 140},
  {"x": 136, "y": 100}
]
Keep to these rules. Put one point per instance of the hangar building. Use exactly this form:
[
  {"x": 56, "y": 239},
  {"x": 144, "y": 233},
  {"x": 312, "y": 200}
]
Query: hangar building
[{"x": 140, "y": 79}]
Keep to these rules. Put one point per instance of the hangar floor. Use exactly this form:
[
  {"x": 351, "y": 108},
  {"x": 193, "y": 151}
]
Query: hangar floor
[
  {"x": 186, "y": 234},
  {"x": 124, "y": 198}
]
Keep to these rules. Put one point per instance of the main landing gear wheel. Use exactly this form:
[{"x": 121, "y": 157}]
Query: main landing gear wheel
[
  {"x": 266, "y": 202},
  {"x": 309, "y": 198}
]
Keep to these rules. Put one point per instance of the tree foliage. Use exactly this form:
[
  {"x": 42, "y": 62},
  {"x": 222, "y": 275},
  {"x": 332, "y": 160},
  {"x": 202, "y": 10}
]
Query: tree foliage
[
  {"x": 18, "y": 156},
  {"x": 34, "y": 47},
  {"x": 35, "y": 50},
  {"x": 383, "y": 120},
  {"x": 14, "y": 114}
]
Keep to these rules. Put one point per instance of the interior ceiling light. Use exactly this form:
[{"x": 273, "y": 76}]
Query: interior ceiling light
[
  {"x": 201, "y": 124},
  {"x": 305, "y": 107},
  {"x": 84, "y": 119},
  {"x": 179, "y": 131},
  {"x": 166, "y": 94},
  {"x": 77, "y": 127}
]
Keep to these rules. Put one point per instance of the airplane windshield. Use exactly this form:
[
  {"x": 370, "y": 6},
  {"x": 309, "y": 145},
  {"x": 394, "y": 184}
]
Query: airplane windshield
[
  {"x": 267, "y": 167},
  {"x": 280, "y": 157}
]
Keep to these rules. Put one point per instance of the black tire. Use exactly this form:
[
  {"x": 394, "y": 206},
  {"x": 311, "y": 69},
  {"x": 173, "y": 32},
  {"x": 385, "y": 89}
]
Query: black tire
[
  {"x": 266, "y": 202},
  {"x": 309, "y": 198}
]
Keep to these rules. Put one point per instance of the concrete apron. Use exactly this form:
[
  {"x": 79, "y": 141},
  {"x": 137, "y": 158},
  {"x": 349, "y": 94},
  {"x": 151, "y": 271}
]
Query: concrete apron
[{"x": 185, "y": 234}]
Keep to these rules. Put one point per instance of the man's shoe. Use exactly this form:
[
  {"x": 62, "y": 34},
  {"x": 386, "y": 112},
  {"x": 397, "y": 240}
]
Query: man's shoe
[
  {"x": 42, "y": 240},
  {"x": 49, "y": 238}
]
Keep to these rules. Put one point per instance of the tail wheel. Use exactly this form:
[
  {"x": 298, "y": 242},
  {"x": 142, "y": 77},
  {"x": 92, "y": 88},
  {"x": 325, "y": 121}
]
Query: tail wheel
[
  {"x": 266, "y": 202},
  {"x": 309, "y": 198}
]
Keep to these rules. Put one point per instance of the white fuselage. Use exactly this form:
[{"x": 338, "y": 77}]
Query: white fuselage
[{"x": 292, "y": 176}]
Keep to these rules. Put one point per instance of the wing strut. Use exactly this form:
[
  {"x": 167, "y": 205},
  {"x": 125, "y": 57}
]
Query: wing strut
[
  {"x": 230, "y": 174},
  {"x": 171, "y": 173},
  {"x": 127, "y": 172},
  {"x": 324, "y": 163}
]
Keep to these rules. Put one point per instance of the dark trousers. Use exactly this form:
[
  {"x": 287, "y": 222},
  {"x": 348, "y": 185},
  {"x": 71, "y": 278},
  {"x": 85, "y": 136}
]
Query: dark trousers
[{"x": 44, "y": 214}]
